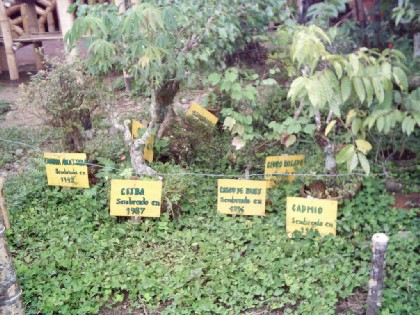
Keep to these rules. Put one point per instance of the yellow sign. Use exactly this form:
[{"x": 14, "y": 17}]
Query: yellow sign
[
  {"x": 201, "y": 114},
  {"x": 303, "y": 214},
  {"x": 66, "y": 169},
  {"x": 140, "y": 198},
  {"x": 148, "y": 148},
  {"x": 245, "y": 197},
  {"x": 281, "y": 164}
]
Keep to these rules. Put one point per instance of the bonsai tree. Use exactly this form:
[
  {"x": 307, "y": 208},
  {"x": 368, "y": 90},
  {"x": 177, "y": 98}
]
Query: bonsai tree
[
  {"x": 63, "y": 96},
  {"x": 162, "y": 47}
]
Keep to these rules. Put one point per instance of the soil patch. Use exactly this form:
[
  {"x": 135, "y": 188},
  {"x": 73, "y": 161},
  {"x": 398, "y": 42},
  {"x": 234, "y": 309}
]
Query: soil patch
[
  {"x": 407, "y": 201},
  {"x": 353, "y": 304}
]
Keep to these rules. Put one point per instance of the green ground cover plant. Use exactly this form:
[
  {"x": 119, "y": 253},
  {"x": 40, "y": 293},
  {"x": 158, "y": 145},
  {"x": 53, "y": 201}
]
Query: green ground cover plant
[{"x": 72, "y": 257}]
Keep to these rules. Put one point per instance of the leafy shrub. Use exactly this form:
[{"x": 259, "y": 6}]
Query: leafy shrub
[{"x": 64, "y": 96}]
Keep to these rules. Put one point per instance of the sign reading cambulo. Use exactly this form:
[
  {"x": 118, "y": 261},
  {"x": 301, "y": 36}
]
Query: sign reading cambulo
[
  {"x": 303, "y": 215},
  {"x": 245, "y": 197},
  {"x": 281, "y": 164},
  {"x": 136, "y": 198},
  {"x": 201, "y": 114},
  {"x": 66, "y": 169}
]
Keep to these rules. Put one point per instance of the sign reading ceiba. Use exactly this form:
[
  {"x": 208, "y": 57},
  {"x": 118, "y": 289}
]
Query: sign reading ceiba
[
  {"x": 281, "y": 164},
  {"x": 66, "y": 169},
  {"x": 245, "y": 197},
  {"x": 148, "y": 148},
  {"x": 303, "y": 215},
  {"x": 201, "y": 114},
  {"x": 136, "y": 198}
]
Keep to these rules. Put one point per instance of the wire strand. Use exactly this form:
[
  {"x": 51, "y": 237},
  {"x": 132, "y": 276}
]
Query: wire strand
[{"x": 211, "y": 174}]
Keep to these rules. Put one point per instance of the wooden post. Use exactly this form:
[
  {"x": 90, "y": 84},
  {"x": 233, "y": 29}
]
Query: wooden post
[
  {"x": 4, "y": 213},
  {"x": 121, "y": 5},
  {"x": 417, "y": 45},
  {"x": 8, "y": 43},
  {"x": 377, "y": 273},
  {"x": 30, "y": 26},
  {"x": 66, "y": 23},
  {"x": 10, "y": 291}
]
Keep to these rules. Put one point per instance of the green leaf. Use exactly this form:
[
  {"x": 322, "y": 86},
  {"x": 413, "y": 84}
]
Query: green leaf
[
  {"x": 355, "y": 125},
  {"x": 363, "y": 146},
  {"x": 296, "y": 89},
  {"x": 352, "y": 162},
  {"x": 379, "y": 89},
  {"x": 338, "y": 69},
  {"x": 229, "y": 122},
  {"x": 364, "y": 162},
  {"x": 214, "y": 78},
  {"x": 400, "y": 78},
  {"x": 345, "y": 154},
  {"x": 345, "y": 88},
  {"x": 369, "y": 90},
  {"x": 269, "y": 81},
  {"x": 360, "y": 89},
  {"x": 380, "y": 123}
]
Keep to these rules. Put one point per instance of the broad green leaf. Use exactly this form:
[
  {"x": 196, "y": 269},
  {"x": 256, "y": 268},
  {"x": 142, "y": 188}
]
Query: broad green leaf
[
  {"x": 360, "y": 89},
  {"x": 355, "y": 64},
  {"x": 352, "y": 162},
  {"x": 345, "y": 154},
  {"x": 309, "y": 129},
  {"x": 369, "y": 90},
  {"x": 345, "y": 88},
  {"x": 352, "y": 113},
  {"x": 330, "y": 126},
  {"x": 355, "y": 125},
  {"x": 229, "y": 122},
  {"x": 400, "y": 78},
  {"x": 296, "y": 89},
  {"x": 379, "y": 89},
  {"x": 214, "y": 78},
  {"x": 363, "y": 146},
  {"x": 364, "y": 162},
  {"x": 380, "y": 123},
  {"x": 269, "y": 81},
  {"x": 338, "y": 69}
]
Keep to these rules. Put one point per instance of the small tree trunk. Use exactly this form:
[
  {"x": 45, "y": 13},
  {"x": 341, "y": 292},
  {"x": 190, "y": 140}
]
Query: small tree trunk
[
  {"x": 328, "y": 147},
  {"x": 379, "y": 246},
  {"x": 4, "y": 213},
  {"x": 10, "y": 292}
]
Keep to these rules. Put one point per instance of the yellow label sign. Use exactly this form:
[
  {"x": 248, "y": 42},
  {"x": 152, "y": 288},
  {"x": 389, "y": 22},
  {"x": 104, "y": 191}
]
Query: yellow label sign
[
  {"x": 201, "y": 114},
  {"x": 281, "y": 164},
  {"x": 245, "y": 197},
  {"x": 303, "y": 215},
  {"x": 148, "y": 147},
  {"x": 66, "y": 169},
  {"x": 140, "y": 198}
]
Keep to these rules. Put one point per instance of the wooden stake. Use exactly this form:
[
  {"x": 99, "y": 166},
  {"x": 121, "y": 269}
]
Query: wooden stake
[
  {"x": 10, "y": 291},
  {"x": 66, "y": 23},
  {"x": 377, "y": 273},
  {"x": 3, "y": 209},
  {"x": 121, "y": 5},
  {"x": 30, "y": 26},
  {"x": 8, "y": 43}
]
